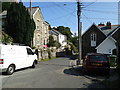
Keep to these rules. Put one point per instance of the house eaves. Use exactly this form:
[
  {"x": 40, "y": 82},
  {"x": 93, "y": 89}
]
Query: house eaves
[
  {"x": 115, "y": 30},
  {"x": 35, "y": 10},
  {"x": 105, "y": 41}
]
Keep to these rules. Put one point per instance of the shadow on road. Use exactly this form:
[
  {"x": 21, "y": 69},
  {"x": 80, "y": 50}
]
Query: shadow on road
[
  {"x": 95, "y": 77},
  {"x": 70, "y": 71},
  {"x": 98, "y": 79},
  {"x": 72, "y": 57},
  {"x": 19, "y": 70}
]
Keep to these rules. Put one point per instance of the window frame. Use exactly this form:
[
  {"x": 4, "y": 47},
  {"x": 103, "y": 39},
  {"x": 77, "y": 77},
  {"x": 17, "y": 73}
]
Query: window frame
[{"x": 93, "y": 39}]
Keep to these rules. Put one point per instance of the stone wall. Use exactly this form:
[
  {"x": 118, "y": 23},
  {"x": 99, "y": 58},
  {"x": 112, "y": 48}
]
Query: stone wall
[{"x": 46, "y": 53}]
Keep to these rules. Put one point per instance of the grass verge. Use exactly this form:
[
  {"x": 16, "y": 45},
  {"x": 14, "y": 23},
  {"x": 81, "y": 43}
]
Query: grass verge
[{"x": 47, "y": 59}]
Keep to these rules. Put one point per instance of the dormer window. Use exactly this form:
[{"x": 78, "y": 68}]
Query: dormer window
[{"x": 93, "y": 39}]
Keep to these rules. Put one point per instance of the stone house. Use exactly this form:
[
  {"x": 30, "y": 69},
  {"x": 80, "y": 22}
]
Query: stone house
[
  {"x": 45, "y": 34},
  {"x": 41, "y": 34}
]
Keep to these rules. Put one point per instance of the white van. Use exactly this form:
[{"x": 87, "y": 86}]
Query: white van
[{"x": 13, "y": 57}]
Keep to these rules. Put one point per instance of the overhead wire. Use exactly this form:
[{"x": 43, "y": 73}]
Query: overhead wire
[
  {"x": 87, "y": 18},
  {"x": 90, "y": 3},
  {"x": 99, "y": 11},
  {"x": 63, "y": 8}
]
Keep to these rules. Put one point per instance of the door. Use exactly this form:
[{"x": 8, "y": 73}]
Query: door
[{"x": 30, "y": 57}]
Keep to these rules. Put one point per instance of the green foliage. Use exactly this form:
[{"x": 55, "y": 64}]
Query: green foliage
[
  {"x": 6, "y": 38},
  {"x": 48, "y": 59},
  {"x": 6, "y": 5},
  {"x": 118, "y": 70},
  {"x": 72, "y": 47},
  {"x": 53, "y": 43},
  {"x": 74, "y": 40},
  {"x": 49, "y": 53},
  {"x": 19, "y": 25},
  {"x": 65, "y": 31},
  {"x": 57, "y": 44},
  {"x": 112, "y": 61}
]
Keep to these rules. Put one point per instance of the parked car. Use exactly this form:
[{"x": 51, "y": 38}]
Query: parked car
[
  {"x": 13, "y": 57},
  {"x": 96, "y": 62}
]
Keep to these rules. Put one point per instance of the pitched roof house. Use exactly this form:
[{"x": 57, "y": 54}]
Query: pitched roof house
[
  {"x": 100, "y": 39},
  {"x": 62, "y": 39},
  {"x": 41, "y": 32}
]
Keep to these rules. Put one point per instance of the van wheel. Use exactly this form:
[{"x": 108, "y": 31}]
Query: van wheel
[
  {"x": 10, "y": 70},
  {"x": 33, "y": 65}
]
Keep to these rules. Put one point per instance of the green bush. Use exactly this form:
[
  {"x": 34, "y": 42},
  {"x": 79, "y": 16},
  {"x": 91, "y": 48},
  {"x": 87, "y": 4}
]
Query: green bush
[
  {"x": 49, "y": 54},
  {"x": 6, "y": 38},
  {"x": 112, "y": 61},
  {"x": 118, "y": 70}
]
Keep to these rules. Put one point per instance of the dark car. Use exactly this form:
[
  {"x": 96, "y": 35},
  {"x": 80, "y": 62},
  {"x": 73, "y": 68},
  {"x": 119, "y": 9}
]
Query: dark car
[{"x": 96, "y": 62}]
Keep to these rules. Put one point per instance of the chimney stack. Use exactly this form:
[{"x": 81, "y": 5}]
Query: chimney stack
[
  {"x": 101, "y": 24},
  {"x": 108, "y": 25}
]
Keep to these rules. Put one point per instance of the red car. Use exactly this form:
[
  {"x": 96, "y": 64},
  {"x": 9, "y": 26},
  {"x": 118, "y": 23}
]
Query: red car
[{"x": 96, "y": 62}]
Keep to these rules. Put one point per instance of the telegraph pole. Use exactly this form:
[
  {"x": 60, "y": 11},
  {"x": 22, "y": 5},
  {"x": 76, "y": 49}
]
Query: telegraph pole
[
  {"x": 31, "y": 9},
  {"x": 79, "y": 32},
  {"x": 31, "y": 18}
]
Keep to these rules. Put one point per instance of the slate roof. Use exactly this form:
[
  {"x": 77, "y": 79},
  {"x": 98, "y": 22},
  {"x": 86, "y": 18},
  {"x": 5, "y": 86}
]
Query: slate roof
[
  {"x": 55, "y": 32},
  {"x": 106, "y": 31}
]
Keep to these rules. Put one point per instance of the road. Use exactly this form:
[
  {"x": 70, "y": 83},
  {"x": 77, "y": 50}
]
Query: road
[{"x": 56, "y": 73}]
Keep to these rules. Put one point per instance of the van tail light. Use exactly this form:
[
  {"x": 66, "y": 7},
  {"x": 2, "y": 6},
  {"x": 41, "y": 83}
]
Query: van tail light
[{"x": 1, "y": 61}]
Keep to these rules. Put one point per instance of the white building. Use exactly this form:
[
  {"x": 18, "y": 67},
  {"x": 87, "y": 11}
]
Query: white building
[{"x": 62, "y": 39}]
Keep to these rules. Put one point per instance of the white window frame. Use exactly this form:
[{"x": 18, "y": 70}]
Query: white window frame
[{"x": 93, "y": 38}]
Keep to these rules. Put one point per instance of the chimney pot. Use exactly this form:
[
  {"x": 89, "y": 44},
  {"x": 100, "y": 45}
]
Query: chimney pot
[{"x": 108, "y": 25}]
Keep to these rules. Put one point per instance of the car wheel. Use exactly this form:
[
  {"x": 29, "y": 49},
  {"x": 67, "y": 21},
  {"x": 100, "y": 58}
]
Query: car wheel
[
  {"x": 10, "y": 70},
  {"x": 33, "y": 65}
]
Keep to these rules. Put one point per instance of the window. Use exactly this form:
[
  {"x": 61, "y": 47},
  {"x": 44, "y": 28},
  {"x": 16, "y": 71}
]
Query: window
[
  {"x": 38, "y": 39},
  {"x": 38, "y": 24},
  {"x": 29, "y": 51},
  {"x": 93, "y": 40},
  {"x": 94, "y": 58}
]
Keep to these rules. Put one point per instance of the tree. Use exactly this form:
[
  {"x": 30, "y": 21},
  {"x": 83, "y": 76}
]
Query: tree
[
  {"x": 19, "y": 25},
  {"x": 74, "y": 40},
  {"x": 5, "y": 38},
  {"x": 6, "y": 5},
  {"x": 65, "y": 31},
  {"x": 53, "y": 43}
]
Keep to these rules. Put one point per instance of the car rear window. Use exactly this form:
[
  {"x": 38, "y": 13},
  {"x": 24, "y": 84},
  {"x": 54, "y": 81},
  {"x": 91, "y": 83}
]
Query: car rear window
[{"x": 97, "y": 58}]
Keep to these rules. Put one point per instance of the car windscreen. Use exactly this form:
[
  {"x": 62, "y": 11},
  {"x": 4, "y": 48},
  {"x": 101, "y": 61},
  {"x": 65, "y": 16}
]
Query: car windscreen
[{"x": 94, "y": 58}]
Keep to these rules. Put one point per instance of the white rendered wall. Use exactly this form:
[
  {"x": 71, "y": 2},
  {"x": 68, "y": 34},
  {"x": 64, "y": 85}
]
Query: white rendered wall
[{"x": 107, "y": 46}]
